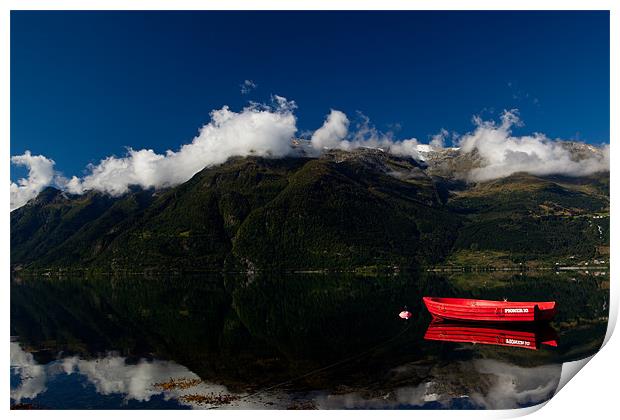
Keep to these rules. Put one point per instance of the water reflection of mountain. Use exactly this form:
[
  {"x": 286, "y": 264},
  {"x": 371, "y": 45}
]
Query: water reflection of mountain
[{"x": 247, "y": 334}]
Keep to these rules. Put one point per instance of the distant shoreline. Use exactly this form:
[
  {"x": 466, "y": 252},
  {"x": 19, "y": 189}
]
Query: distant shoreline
[{"x": 360, "y": 271}]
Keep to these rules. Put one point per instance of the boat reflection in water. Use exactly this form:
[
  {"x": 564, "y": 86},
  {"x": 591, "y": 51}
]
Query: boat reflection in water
[{"x": 529, "y": 336}]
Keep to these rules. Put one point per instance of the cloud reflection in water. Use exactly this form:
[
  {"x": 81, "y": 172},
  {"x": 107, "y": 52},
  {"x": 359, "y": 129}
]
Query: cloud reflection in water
[{"x": 483, "y": 383}]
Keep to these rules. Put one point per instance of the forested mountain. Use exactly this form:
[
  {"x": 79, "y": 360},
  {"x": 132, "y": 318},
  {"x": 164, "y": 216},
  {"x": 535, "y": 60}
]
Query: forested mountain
[{"x": 343, "y": 210}]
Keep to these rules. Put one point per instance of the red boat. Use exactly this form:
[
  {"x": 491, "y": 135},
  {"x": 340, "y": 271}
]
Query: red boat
[
  {"x": 489, "y": 310},
  {"x": 529, "y": 338}
]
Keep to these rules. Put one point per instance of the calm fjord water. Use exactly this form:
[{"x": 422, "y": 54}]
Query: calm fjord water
[{"x": 287, "y": 341}]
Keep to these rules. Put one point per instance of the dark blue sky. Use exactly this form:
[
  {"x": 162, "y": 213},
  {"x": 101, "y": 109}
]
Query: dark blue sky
[{"x": 86, "y": 84}]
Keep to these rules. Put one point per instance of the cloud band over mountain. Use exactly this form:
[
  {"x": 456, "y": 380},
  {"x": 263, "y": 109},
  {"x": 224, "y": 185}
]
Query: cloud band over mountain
[
  {"x": 504, "y": 154},
  {"x": 267, "y": 131}
]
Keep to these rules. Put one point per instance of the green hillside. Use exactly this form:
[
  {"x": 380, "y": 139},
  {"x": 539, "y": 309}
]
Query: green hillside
[
  {"x": 346, "y": 210},
  {"x": 531, "y": 218}
]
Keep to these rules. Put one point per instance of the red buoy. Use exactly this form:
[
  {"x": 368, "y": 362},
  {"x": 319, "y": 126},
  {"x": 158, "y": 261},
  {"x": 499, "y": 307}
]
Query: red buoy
[{"x": 405, "y": 314}]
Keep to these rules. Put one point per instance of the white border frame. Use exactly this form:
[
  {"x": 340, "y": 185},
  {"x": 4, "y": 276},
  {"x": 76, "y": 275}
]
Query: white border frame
[{"x": 590, "y": 395}]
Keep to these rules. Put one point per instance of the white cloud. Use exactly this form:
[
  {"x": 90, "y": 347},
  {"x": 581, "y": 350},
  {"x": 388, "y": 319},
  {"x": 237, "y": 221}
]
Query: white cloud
[
  {"x": 247, "y": 86},
  {"x": 335, "y": 134},
  {"x": 137, "y": 381},
  {"x": 492, "y": 384},
  {"x": 438, "y": 140},
  {"x": 504, "y": 154},
  {"x": 332, "y": 133},
  {"x": 267, "y": 131},
  {"x": 40, "y": 175},
  {"x": 512, "y": 386},
  {"x": 32, "y": 376},
  {"x": 113, "y": 375},
  {"x": 256, "y": 130}
]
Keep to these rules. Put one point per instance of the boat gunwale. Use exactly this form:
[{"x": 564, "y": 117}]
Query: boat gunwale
[{"x": 484, "y": 303}]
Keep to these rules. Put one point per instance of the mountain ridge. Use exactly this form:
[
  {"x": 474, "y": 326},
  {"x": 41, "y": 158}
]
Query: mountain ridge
[{"x": 342, "y": 210}]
